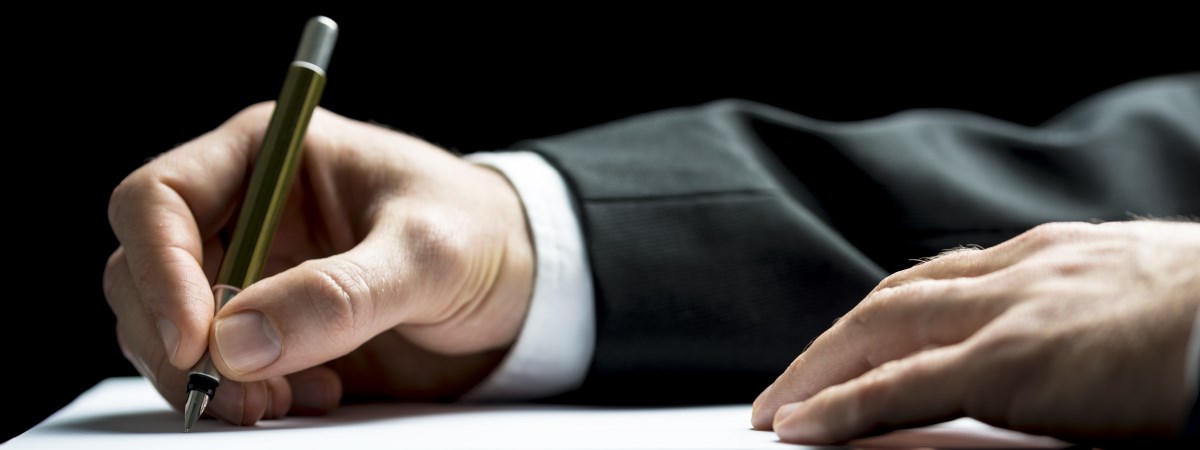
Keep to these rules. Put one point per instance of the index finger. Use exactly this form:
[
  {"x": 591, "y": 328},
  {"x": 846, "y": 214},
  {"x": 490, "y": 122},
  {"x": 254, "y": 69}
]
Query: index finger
[
  {"x": 161, "y": 213},
  {"x": 888, "y": 324},
  {"x": 974, "y": 261}
]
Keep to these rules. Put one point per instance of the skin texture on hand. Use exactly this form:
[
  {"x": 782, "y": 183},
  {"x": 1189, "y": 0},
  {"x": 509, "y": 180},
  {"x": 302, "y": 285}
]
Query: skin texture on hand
[
  {"x": 397, "y": 271},
  {"x": 1073, "y": 330}
]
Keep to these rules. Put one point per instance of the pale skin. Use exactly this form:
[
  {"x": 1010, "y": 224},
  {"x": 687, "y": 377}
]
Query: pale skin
[
  {"x": 398, "y": 270},
  {"x": 1071, "y": 329},
  {"x": 401, "y": 271}
]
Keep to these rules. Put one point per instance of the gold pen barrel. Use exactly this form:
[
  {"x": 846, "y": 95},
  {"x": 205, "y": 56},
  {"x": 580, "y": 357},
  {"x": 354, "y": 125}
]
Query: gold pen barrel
[
  {"x": 270, "y": 181},
  {"x": 278, "y": 157},
  {"x": 271, "y": 178}
]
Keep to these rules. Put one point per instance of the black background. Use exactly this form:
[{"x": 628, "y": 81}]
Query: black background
[{"x": 95, "y": 93}]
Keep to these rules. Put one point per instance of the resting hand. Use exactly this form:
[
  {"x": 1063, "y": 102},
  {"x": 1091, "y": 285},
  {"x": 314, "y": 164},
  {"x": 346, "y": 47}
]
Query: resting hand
[
  {"x": 397, "y": 270},
  {"x": 1074, "y": 330}
]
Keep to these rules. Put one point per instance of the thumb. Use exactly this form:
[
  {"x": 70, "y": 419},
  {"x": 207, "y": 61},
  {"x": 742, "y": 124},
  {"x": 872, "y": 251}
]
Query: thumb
[{"x": 310, "y": 314}]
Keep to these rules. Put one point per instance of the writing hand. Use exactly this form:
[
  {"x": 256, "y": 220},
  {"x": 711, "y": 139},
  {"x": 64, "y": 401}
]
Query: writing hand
[
  {"x": 398, "y": 270},
  {"x": 1074, "y": 330}
]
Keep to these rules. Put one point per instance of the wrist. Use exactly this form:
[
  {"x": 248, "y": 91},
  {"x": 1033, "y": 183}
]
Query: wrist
[
  {"x": 476, "y": 262},
  {"x": 507, "y": 303},
  {"x": 554, "y": 348}
]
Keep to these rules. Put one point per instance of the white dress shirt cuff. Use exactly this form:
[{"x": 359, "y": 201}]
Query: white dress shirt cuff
[{"x": 554, "y": 349}]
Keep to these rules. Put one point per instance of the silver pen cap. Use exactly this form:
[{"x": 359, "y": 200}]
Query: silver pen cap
[{"x": 316, "y": 44}]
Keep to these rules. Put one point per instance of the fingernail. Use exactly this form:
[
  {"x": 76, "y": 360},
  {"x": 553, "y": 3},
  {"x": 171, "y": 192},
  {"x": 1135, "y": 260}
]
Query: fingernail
[
  {"x": 247, "y": 341},
  {"x": 170, "y": 337}
]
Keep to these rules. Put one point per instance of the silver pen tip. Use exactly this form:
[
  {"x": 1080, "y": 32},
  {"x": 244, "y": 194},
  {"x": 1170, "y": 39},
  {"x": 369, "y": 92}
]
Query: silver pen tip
[{"x": 192, "y": 410}]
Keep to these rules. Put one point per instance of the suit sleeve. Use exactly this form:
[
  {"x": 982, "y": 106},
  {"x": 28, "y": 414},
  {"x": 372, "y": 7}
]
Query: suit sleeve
[
  {"x": 1191, "y": 426},
  {"x": 724, "y": 238}
]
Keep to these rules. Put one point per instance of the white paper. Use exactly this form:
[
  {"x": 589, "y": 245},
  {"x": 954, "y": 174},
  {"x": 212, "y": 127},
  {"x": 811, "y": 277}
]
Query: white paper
[{"x": 127, "y": 413}]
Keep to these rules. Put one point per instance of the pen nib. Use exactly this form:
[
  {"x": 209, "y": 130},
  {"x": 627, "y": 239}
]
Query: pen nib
[{"x": 194, "y": 407}]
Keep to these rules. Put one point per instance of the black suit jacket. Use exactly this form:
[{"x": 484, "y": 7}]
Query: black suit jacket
[{"x": 724, "y": 238}]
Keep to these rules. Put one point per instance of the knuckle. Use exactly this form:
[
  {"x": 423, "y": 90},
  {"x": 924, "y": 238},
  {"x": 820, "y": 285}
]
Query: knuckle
[
  {"x": 250, "y": 117},
  {"x": 857, "y": 404},
  {"x": 132, "y": 192},
  {"x": 877, "y": 391},
  {"x": 339, "y": 293},
  {"x": 432, "y": 247},
  {"x": 111, "y": 277},
  {"x": 1007, "y": 350},
  {"x": 1052, "y": 232},
  {"x": 892, "y": 280},
  {"x": 1065, "y": 268},
  {"x": 1042, "y": 233},
  {"x": 997, "y": 366},
  {"x": 794, "y": 368},
  {"x": 887, "y": 302},
  {"x": 954, "y": 256},
  {"x": 122, "y": 196},
  {"x": 871, "y": 307},
  {"x": 797, "y": 380},
  {"x": 256, "y": 111},
  {"x": 872, "y": 390}
]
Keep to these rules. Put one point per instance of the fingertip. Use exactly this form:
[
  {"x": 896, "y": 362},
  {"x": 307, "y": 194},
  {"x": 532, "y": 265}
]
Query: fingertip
[
  {"x": 183, "y": 324},
  {"x": 184, "y": 342},
  {"x": 316, "y": 391},
  {"x": 279, "y": 398},
  {"x": 255, "y": 403},
  {"x": 226, "y": 403},
  {"x": 245, "y": 343},
  {"x": 762, "y": 418},
  {"x": 760, "y": 415},
  {"x": 252, "y": 116},
  {"x": 805, "y": 422},
  {"x": 297, "y": 319},
  {"x": 240, "y": 403},
  {"x": 793, "y": 424}
]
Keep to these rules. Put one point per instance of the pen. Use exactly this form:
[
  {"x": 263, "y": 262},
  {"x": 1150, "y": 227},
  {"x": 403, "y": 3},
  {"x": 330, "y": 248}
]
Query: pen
[{"x": 270, "y": 182}]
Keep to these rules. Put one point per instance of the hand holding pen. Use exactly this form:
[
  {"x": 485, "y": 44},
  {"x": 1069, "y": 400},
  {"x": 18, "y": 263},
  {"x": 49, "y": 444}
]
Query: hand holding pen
[
  {"x": 270, "y": 183},
  {"x": 397, "y": 270}
]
